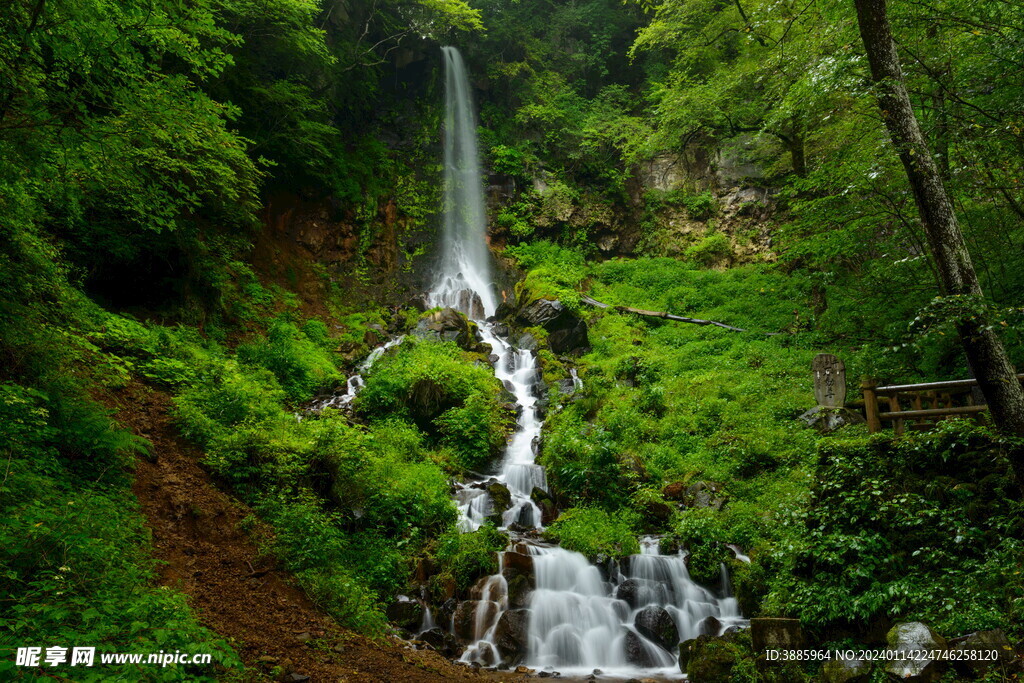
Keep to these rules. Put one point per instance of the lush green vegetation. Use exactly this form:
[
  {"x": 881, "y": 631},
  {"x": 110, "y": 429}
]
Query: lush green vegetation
[{"x": 733, "y": 151}]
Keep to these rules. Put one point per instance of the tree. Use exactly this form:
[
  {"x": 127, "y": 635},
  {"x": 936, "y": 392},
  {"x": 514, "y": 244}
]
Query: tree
[{"x": 985, "y": 352}]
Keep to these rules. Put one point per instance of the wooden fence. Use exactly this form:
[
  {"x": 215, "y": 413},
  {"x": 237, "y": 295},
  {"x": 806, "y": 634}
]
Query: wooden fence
[{"x": 919, "y": 406}]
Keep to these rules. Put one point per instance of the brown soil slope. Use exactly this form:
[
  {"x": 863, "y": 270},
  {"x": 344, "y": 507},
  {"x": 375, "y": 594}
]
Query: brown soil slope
[{"x": 238, "y": 593}]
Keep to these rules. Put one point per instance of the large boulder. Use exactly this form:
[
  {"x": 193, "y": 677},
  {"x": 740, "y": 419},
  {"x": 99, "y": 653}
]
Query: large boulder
[
  {"x": 448, "y": 324},
  {"x": 441, "y": 641},
  {"x": 543, "y": 500},
  {"x": 405, "y": 613},
  {"x": 519, "y": 590},
  {"x": 776, "y": 634},
  {"x": 984, "y": 642},
  {"x": 511, "y": 637},
  {"x": 630, "y": 591},
  {"x": 566, "y": 331},
  {"x": 708, "y": 658},
  {"x": 517, "y": 564},
  {"x": 657, "y": 625},
  {"x": 501, "y": 500},
  {"x": 637, "y": 653},
  {"x": 913, "y": 646}
]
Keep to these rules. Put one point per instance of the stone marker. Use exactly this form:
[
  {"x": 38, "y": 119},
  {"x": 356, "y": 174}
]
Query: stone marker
[{"x": 829, "y": 380}]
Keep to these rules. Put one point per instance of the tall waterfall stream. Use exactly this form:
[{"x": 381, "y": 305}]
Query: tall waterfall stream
[{"x": 625, "y": 618}]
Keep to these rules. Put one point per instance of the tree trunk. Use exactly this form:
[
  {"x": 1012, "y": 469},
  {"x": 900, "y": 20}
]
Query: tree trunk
[{"x": 985, "y": 352}]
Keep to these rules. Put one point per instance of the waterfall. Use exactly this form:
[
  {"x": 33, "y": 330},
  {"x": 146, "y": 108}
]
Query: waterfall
[
  {"x": 463, "y": 280},
  {"x": 578, "y": 616}
]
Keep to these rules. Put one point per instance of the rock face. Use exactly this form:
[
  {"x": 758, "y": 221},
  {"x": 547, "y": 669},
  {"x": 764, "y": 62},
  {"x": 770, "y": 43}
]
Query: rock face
[
  {"x": 511, "y": 636},
  {"x": 846, "y": 671},
  {"x": 566, "y": 332},
  {"x": 519, "y": 589},
  {"x": 776, "y": 634},
  {"x": 657, "y": 626},
  {"x": 914, "y": 637}
]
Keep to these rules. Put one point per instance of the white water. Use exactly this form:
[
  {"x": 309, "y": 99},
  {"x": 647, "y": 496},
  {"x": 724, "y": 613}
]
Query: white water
[
  {"x": 465, "y": 260},
  {"x": 578, "y": 619}
]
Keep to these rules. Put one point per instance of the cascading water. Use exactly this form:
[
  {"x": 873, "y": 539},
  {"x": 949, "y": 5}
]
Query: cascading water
[
  {"x": 577, "y": 616},
  {"x": 464, "y": 279}
]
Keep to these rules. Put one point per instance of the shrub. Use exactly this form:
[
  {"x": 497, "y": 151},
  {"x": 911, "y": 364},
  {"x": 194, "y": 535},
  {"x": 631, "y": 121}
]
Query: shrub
[
  {"x": 595, "y": 532},
  {"x": 710, "y": 250},
  {"x": 470, "y": 556},
  {"x": 299, "y": 363}
]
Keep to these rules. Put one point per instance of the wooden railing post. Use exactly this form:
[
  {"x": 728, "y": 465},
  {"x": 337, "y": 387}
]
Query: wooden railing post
[{"x": 867, "y": 387}]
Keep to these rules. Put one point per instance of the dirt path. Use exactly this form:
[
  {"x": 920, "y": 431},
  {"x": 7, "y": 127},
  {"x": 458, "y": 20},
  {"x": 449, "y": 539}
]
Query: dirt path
[{"x": 235, "y": 592}]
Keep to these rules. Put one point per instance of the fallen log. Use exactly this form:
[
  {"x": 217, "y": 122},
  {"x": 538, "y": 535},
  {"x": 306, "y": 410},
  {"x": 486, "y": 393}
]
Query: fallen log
[{"x": 665, "y": 316}]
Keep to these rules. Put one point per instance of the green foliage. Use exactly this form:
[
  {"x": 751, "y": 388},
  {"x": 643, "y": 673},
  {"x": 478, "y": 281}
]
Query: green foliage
[
  {"x": 596, "y": 533},
  {"x": 700, "y": 206},
  {"x": 73, "y": 545},
  {"x": 710, "y": 250},
  {"x": 466, "y": 557},
  {"x": 457, "y": 404},
  {"x": 919, "y": 528},
  {"x": 299, "y": 362}
]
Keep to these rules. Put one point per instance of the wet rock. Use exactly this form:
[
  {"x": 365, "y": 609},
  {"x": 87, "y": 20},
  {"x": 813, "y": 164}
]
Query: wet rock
[
  {"x": 511, "y": 637},
  {"x": 768, "y": 633},
  {"x": 826, "y": 420},
  {"x": 629, "y": 591},
  {"x": 501, "y": 499},
  {"x": 517, "y": 564},
  {"x": 405, "y": 613},
  {"x": 526, "y": 341},
  {"x": 637, "y": 654},
  {"x": 548, "y": 509},
  {"x": 441, "y": 641},
  {"x": 708, "y": 658},
  {"x": 984, "y": 641},
  {"x": 657, "y": 626},
  {"x": 915, "y": 637},
  {"x": 846, "y": 671},
  {"x": 465, "y": 618},
  {"x": 709, "y": 626},
  {"x": 519, "y": 589}
]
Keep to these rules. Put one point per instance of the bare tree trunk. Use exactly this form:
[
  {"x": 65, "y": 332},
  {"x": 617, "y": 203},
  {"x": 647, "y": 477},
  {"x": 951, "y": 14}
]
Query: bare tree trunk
[{"x": 985, "y": 352}]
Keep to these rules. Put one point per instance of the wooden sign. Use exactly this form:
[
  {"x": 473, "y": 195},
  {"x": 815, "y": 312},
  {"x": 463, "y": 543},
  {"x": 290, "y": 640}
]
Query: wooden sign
[{"x": 829, "y": 380}]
